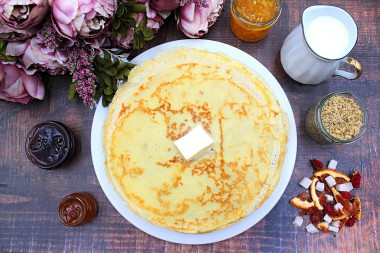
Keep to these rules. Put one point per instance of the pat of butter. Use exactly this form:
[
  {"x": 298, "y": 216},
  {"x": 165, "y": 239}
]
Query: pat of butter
[{"x": 194, "y": 143}]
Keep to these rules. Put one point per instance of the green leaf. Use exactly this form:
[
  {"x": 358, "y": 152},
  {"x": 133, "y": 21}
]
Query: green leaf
[
  {"x": 116, "y": 23},
  {"x": 121, "y": 65},
  {"x": 139, "y": 8},
  {"x": 132, "y": 15},
  {"x": 72, "y": 91},
  {"x": 120, "y": 12},
  {"x": 126, "y": 72},
  {"x": 111, "y": 71},
  {"x": 119, "y": 75},
  {"x": 105, "y": 102},
  {"x": 107, "y": 56},
  {"x": 108, "y": 90},
  {"x": 109, "y": 97},
  {"x": 130, "y": 65},
  {"x": 99, "y": 60},
  {"x": 123, "y": 33},
  {"x": 107, "y": 79},
  {"x": 114, "y": 34}
]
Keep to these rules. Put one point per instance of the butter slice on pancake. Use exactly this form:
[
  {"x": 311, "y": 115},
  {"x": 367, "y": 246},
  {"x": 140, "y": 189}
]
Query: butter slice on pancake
[{"x": 165, "y": 98}]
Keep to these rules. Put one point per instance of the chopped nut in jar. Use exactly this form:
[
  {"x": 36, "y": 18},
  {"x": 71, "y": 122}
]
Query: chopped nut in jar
[{"x": 342, "y": 117}]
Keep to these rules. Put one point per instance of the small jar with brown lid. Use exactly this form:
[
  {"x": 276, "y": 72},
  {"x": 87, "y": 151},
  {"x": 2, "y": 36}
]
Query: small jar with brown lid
[
  {"x": 50, "y": 145},
  {"x": 77, "y": 209},
  {"x": 339, "y": 118}
]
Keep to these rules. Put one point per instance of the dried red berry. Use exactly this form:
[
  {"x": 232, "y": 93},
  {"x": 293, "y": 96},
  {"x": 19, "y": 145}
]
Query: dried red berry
[
  {"x": 355, "y": 179},
  {"x": 330, "y": 210},
  {"x": 346, "y": 195},
  {"x": 350, "y": 222},
  {"x": 317, "y": 165},
  {"x": 316, "y": 217}
]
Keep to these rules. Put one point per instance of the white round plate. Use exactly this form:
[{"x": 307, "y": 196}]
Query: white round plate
[{"x": 236, "y": 228}]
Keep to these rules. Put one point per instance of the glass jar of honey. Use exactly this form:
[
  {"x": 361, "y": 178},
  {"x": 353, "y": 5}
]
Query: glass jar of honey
[
  {"x": 77, "y": 209},
  {"x": 251, "y": 20}
]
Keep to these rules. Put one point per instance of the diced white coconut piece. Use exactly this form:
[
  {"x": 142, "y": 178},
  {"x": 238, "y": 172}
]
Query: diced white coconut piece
[
  {"x": 338, "y": 206},
  {"x": 327, "y": 218},
  {"x": 298, "y": 221},
  {"x": 334, "y": 229},
  {"x": 330, "y": 181},
  {"x": 332, "y": 164},
  {"x": 329, "y": 198},
  {"x": 335, "y": 223},
  {"x": 311, "y": 229},
  {"x": 305, "y": 182},
  {"x": 346, "y": 187},
  {"x": 320, "y": 186}
]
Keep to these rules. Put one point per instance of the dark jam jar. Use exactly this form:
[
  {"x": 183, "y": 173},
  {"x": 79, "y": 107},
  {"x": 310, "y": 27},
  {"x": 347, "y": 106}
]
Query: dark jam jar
[
  {"x": 50, "y": 145},
  {"x": 77, "y": 209}
]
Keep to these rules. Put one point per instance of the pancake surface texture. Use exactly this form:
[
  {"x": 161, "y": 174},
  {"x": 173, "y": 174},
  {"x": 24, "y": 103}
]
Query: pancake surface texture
[{"x": 165, "y": 98}]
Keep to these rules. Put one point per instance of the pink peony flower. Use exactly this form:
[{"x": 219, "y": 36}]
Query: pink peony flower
[
  {"x": 19, "y": 85},
  {"x": 11, "y": 34},
  {"x": 47, "y": 51},
  {"x": 82, "y": 18},
  {"x": 196, "y": 16},
  {"x": 23, "y": 14}
]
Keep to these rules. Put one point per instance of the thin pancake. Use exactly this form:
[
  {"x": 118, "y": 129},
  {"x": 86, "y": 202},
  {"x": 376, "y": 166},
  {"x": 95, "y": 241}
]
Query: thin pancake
[{"x": 166, "y": 97}]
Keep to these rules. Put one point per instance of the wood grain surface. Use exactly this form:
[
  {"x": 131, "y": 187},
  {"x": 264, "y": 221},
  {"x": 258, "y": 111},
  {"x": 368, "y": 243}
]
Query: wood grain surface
[{"x": 29, "y": 196}]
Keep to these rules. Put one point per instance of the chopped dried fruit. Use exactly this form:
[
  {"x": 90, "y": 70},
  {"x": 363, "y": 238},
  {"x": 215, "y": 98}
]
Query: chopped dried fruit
[
  {"x": 327, "y": 218},
  {"x": 330, "y": 210},
  {"x": 314, "y": 194},
  {"x": 316, "y": 217},
  {"x": 332, "y": 164},
  {"x": 346, "y": 195},
  {"x": 350, "y": 222},
  {"x": 320, "y": 186},
  {"x": 330, "y": 181},
  {"x": 333, "y": 229},
  {"x": 324, "y": 226},
  {"x": 342, "y": 222},
  {"x": 302, "y": 203},
  {"x": 357, "y": 208},
  {"x": 308, "y": 211},
  {"x": 317, "y": 165},
  {"x": 341, "y": 215},
  {"x": 356, "y": 178},
  {"x": 305, "y": 182},
  {"x": 335, "y": 223},
  {"x": 346, "y": 187},
  {"x": 327, "y": 212},
  {"x": 298, "y": 221},
  {"x": 338, "y": 206},
  {"x": 329, "y": 198},
  {"x": 311, "y": 229},
  {"x": 340, "y": 180},
  {"x": 332, "y": 173}
]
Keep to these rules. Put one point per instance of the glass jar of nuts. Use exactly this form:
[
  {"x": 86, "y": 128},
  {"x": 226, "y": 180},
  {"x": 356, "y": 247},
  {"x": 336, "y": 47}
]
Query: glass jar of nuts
[{"x": 340, "y": 118}]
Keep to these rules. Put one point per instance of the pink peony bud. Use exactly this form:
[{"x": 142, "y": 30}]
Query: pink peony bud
[
  {"x": 164, "y": 5},
  {"x": 16, "y": 85},
  {"x": 196, "y": 16},
  {"x": 82, "y": 18}
]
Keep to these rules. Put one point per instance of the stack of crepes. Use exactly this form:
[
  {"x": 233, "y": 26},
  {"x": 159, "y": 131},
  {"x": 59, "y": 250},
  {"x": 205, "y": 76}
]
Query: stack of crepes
[{"x": 165, "y": 98}]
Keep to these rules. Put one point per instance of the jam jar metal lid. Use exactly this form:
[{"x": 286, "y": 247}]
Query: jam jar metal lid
[{"x": 49, "y": 145}]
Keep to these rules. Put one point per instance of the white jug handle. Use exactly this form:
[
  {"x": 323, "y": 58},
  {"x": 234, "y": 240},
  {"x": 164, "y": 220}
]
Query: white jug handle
[{"x": 354, "y": 63}]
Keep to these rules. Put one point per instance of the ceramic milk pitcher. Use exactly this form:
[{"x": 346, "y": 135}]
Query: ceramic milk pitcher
[{"x": 315, "y": 49}]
